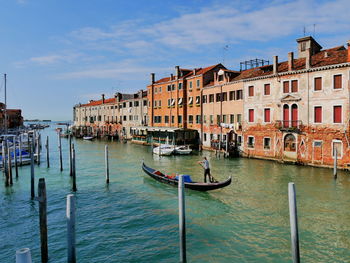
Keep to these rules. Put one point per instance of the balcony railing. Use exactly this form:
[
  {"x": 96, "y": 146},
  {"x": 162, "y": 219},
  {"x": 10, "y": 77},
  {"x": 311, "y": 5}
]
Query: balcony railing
[{"x": 294, "y": 125}]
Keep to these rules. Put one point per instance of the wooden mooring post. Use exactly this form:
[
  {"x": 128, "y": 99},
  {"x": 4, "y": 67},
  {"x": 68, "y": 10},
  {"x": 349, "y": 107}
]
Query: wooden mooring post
[
  {"x": 9, "y": 164},
  {"x": 60, "y": 150},
  {"x": 23, "y": 255},
  {"x": 47, "y": 152},
  {"x": 106, "y": 164},
  {"x": 38, "y": 149},
  {"x": 182, "y": 223},
  {"x": 70, "y": 156},
  {"x": 15, "y": 160},
  {"x": 335, "y": 164},
  {"x": 20, "y": 150},
  {"x": 74, "y": 186},
  {"x": 32, "y": 186},
  {"x": 293, "y": 216},
  {"x": 4, "y": 164},
  {"x": 70, "y": 213},
  {"x": 43, "y": 220}
]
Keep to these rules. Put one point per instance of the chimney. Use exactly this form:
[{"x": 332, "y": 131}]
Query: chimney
[
  {"x": 275, "y": 64},
  {"x": 194, "y": 71},
  {"x": 171, "y": 76},
  {"x": 290, "y": 61},
  {"x": 152, "y": 78},
  {"x": 177, "y": 72},
  {"x": 308, "y": 59},
  {"x": 215, "y": 76},
  {"x": 103, "y": 98},
  {"x": 348, "y": 51}
]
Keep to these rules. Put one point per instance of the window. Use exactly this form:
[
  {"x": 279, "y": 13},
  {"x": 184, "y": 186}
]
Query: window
[
  {"x": 204, "y": 99},
  {"x": 317, "y": 143},
  {"x": 218, "y": 119},
  {"x": 250, "y": 142},
  {"x": 159, "y": 103},
  {"x": 172, "y": 119},
  {"x": 211, "y": 97},
  {"x": 221, "y": 77},
  {"x": 318, "y": 83},
  {"x": 231, "y": 95},
  {"x": 224, "y": 96},
  {"x": 239, "y": 94},
  {"x": 204, "y": 119},
  {"x": 130, "y": 103},
  {"x": 205, "y": 137},
  {"x": 198, "y": 119},
  {"x": 294, "y": 86},
  {"x": 211, "y": 136},
  {"x": 211, "y": 117},
  {"x": 155, "y": 90},
  {"x": 337, "y": 149},
  {"x": 169, "y": 102},
  {"x": 190, "y": 84},
  {"x": 251, "y": 91},
  {"x": 124, "y": 104},
  {"x": 190, "y": 101},
  {"x": 180, "y": 86},
  {"x": 145, "y": 103},
  {"x": 251, "y": 115},
  {"x": 130, "y": 118},
  {"x": 173, "y": 87},
  {"x": 136, "y": 103},
  {"x": 190, "y": 119},
  {"x": 166, "y": 119},
  {"x": 218, "y": 97},
  {"x": 160, "y": 89},
  {"x": 224, "y": 118},
  {"x": 302, "y": 46},
  {"x": 124, "y": 118},
  {"x": 318, "y": 114},
  {"x": 239, "y": 140},
  {"x": 232, "y": 118},
  {"x": 267, "y": 89},
  {"x": 285, "y": 86},
  {"x": 267, "y": 117},
  {"x": 267, "y": 143},
  {"x": 198, "y": 83},
  {"x": 169, "y": 88},
  {"x": 198, "y": 100},
  {"x": 179, "y": 119},
  {"x": 337, "y": 81},
  {"x": 337, "y": 114},
  {"x": 239, "y": 118},
  {"x": 155, "y": 104}
]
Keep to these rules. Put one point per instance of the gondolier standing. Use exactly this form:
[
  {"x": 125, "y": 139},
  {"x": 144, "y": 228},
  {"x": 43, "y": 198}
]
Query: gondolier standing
[{"x": 205, "y": 165}]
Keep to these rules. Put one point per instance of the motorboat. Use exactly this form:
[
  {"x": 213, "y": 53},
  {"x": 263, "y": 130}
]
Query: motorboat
[
  {"x": 88, "y": 138},
  {"x": 164, "y": 149},
  {"x": 183, "y": 149}
]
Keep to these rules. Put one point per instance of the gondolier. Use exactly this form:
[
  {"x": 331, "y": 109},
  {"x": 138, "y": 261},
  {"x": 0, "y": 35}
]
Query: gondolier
[{"x": 206, "y": 167}]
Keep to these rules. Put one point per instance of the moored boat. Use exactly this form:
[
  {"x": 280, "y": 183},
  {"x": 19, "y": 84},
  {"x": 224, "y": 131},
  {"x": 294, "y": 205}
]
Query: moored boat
[
  {"x": 183, "y": 150},
  {"x": 88, "y": 138},
  {"x": 163, "y": 150},
  {"x": 161, "y": 177}
]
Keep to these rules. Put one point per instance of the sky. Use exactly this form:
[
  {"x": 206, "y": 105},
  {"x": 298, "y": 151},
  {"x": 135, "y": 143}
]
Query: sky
[{"x": 60, "y": 53}]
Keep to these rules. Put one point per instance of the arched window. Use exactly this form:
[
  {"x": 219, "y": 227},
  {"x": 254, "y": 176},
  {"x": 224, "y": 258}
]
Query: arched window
[
  {"x": 290, "y": 143},
  {"x": 294, "y": 115},
  {"x": 285, "y": 115}
]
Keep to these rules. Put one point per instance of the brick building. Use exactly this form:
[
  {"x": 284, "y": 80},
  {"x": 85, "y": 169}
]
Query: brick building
[{"x": 298, "y": 110}]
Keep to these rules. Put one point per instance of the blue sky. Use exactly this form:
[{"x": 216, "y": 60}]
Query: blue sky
[{"x": 59, "y": 53}]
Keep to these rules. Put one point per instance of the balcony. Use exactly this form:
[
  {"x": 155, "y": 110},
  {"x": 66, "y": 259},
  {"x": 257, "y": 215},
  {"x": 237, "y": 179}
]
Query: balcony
[{"x": 289, "y": 126}]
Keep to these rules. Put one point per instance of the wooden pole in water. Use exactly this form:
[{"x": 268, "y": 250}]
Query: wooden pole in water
[
  {"x": 43, "y": 220},
  {"x": 4, "y": 163},
  {"x": 60, "y": 150},
  {"x": 106, "y": 164},
  {"x": 335, "y": 163},
  {"x": 70, "y": 156},
  {"x": 20, "y": 150},
  {"x": 9, "y": 165},
  {"x": 38, "y": 149},
  {"x": 23, "y": 255},
  {"x": 293, "y": 223},
  {"x": 32, "y": 190},
  {"x": 182, "y": 223},
  {"x": 47, "y": 152},
  {"x": 70, "y": 213},
  {"x": 74, "y": 187},
  {"x": 16, "y": 164}
]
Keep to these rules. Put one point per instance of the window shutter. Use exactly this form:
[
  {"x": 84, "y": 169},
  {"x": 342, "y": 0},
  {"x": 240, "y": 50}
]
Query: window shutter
[
  {"x": 337, "y": 112},
  {"x": 251, "y": 115},
  {"x": 251, "y": 91},
  {"x": 318, "y": 84},
  {"x": 337, "y": 81},
  {"x": 294, "y": 86},
  {"x": 267, "y": 89},
  {"x": 267, "y": 115},
  {"x": 286, "y": 87},
  {"x": 318, "y": 114}
]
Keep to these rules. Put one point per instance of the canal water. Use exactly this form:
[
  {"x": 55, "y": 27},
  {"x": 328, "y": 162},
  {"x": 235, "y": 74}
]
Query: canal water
[{"x": 135, "y": 219}]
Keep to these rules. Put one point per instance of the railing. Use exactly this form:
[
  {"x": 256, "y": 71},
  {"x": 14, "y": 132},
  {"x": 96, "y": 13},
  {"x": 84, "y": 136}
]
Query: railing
[{"x": 289, "y": 125}]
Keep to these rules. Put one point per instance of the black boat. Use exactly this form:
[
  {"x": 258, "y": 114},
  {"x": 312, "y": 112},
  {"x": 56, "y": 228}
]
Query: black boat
[{"x": 159, "y": 176}]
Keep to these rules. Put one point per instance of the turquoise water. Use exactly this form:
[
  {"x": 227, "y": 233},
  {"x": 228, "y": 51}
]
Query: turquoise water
[{"x": 135, "y": 219}]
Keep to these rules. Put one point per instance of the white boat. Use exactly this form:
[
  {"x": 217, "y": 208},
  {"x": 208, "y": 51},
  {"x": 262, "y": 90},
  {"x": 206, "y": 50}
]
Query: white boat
[
  {"x": 183, "y": 149},
  {"x": 163, "y": 150},
  {"x": 88, "y": 138}
]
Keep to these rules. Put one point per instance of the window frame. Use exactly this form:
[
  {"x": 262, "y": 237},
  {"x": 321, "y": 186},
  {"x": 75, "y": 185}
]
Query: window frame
[
  {"x": 314, "y": 82},
  {"x": 249, "y": 115},
  {"x": 248, "y": 145},
  {"x": 269, "y": 89},
  {"x": 267, "y": 149},
  {"x": 269, "y": 115},
  {"x": 333, "y": 82},
  {"x": 341, "y": 116},
  {"x": 314, "y": 120}
]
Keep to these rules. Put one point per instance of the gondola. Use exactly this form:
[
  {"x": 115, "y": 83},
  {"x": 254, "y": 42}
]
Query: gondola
[{"x": 159, "y": 176}]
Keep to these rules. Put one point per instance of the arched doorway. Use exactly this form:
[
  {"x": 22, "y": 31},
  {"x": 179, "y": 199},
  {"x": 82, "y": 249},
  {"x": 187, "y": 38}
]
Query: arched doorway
[
  {"x": 285, "y": 123},
  {"x": 290, "y": 143},
  {"x": 294, "y": 115}
]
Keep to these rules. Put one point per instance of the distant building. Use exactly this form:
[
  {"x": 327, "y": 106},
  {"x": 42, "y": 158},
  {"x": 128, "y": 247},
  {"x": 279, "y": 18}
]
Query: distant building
[{"x": 14, "y": 117}]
